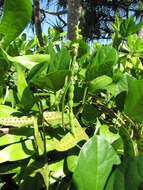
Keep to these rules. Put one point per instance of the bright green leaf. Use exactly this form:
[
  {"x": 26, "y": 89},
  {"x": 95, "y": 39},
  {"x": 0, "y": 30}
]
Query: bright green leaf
[
  {"x": 99, "y": 83},
  {"x": 134, "y": 100},
  {"x": 94, "y": 164},
  {"x": 107, "y": 134},
  {"x": 16, "y": 15}
]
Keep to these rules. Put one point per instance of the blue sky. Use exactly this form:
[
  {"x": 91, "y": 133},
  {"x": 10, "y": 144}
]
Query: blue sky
[{"x": 49, "y": 21}]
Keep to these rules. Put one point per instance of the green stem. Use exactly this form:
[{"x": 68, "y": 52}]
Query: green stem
[
  {"x": 63, "y": 101},
  {"x": 83, "y": 101}
]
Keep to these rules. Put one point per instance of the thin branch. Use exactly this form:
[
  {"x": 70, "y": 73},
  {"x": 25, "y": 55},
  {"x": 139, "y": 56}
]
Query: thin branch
[
  {"x": 54, "y": 13},
  {"x": 62, "y": 20}
]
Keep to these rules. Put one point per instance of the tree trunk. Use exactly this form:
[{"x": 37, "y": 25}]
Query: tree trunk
[
  {"x": 140, "y": 32},
  {"x": 81, "y": 17},
  {"x": 73, "y": 17},
  {"x": 37, "y": 19}
]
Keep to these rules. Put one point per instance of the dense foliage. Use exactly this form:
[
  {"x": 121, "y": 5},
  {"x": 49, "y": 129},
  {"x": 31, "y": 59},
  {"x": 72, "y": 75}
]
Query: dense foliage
[{"x": 71, "y": 116}]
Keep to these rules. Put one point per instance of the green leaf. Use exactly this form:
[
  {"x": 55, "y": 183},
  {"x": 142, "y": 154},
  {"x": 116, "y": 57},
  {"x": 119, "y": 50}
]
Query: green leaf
[
  {"x": 135, "y": 43},
  {"x": 24, "y": 93},
  {"x": 120, "y": 84},
  {"x": 57, "y": 170},
  {"x": 21, "y": 82},
  {"x": 134, "y": 100},
  {"x": 116, "y": 181},
  {"x": 16, "y": 135},
  {"x": 10, "y": 139},
  {"x": 129, "y": 27},
  {"x": 27, "y": 61},
  {"x": 6, "y": 111},
  {"x": 60, "y": 60},
  {"x": 53, "y": 81},
  {"x": 16, "y": 15},
  {"x": 103, "y": 63},
  {"x": 71, "y": 159},
  {"x": 99, "y": 83},
  {"x": 17, "y": 151},
  {"x": 94, "y": 165},
  {"x": 129, "y": 175},
  {"x": 89, "y": 114},
  {"x": 107, "y": 134},
  {"x": 46, "y": 76}
]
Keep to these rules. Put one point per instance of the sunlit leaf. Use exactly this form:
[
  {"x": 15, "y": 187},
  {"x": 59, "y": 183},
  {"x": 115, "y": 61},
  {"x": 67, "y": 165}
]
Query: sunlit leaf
[
  {"x": 16, "y": 15},
  {"x": 94, "y": 164}
]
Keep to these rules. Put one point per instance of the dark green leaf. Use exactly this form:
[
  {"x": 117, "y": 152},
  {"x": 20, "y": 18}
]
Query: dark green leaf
[
  {"x": 129, "y": 175},
  {"x": 89, "y": 114},
  {"x": 53, "y": 81}
]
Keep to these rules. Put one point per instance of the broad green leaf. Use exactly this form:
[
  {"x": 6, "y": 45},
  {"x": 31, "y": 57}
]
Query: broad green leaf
[
  {"x": 94, "y": 164},
  {"x": 21, "y": 82},
  {"x": 107, "y": 134},
  {"x": 17, "y": 151},
  {"x": 89, "y": 114},
  {"x": 71, "y": 159},
  {"x": 69, "y": 141},
  {"x": 133, "y": 106},
  {"x": 53, "y": 81},
  {"x": 135, "y": 43},
  {"x": 116, "y": 181},
  {"x": 60, "y": 60},
  {"x": 129, "y": 27},
  {"x": 10, "y": 139},
  {"x": 16, "y": 15},
  {"x": 24, "y": 93},
  {"x": 15, "y": 135},
  {"x": 27, "y": 61},
  {"x": 103, "y": 63},
  {"x": 129, "y": 175},
  {"x": 6, "y": 111},
  {"x": 99, "y": 83},
  {"x": 119, "y": 85},
  {"x": 134, "y": 174}
]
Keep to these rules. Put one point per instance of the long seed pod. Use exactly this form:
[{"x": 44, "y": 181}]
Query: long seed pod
[{"x": 71, "y": 90}]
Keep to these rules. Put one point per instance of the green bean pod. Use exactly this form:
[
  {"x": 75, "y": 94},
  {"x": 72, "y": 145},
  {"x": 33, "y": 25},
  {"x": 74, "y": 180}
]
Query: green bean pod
[{"x": 71, "y": 89}]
